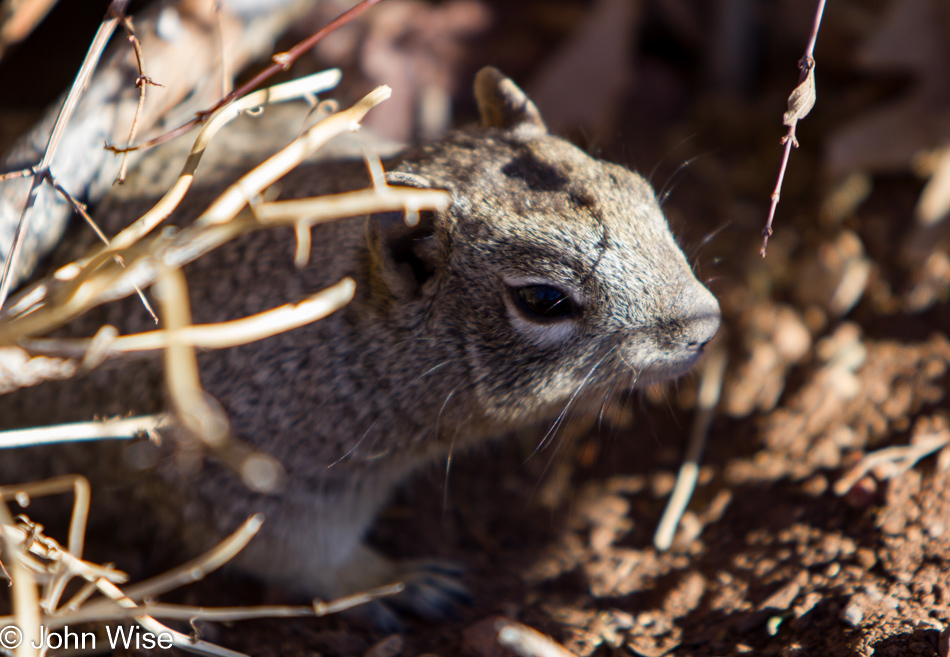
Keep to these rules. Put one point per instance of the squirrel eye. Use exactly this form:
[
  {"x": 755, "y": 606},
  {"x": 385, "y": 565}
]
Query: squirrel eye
[{"x": 545, "y": 302}]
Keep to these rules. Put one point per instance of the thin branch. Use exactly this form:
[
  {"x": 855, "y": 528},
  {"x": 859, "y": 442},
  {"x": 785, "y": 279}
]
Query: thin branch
[
  {"x": 220, "y": 335},
  {"x": 88, "y": 284},
  {"x": 181, "y": 641},
  {"x": 132, "y": 427},
  {"x": 194, "y": 570},
  {"x": 528, "y": 642},
  {"x": 891, "y": 462},
  {"x": 710, "y": 388},
  {"x": 294, "y": 89},
  {"x": 165, "y": 611},
  {"x": 302, "y": 254},
  {"x": 83, "y": 594},
  {"x": 310, "y": 211},
  {"x": 142, "y": 81},
  {"x": 77, "y": 485},
  {"x": 82, "y": 211},
  {"x": 227, "y": 77},
  {"x": 321, "y": 608},
  {"x": 79, "y": 207},
  {"x": 281, "y": 62},
  {"x": 189, "y": 572},
  {"x": 116, "y": 9},
  {"x": 197, "y": 416},
  {"x": 311, "y": 84},
  {"x": 235, "y": 197},
  {"x": 196, "y": 413},
  {"x": 26, "y": 608},
  {"x": 13, "y": 175},
  {"x": 800, "y": 104},
  {"x": 61, "y": 566}
]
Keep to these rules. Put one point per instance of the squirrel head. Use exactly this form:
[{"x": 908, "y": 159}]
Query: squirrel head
[{"x": 554, "y": 273}]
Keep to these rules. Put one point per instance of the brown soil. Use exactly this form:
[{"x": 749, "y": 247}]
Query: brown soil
[{"x": 837, "y": 346}]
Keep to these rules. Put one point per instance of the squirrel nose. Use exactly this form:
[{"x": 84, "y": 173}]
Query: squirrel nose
[{"x": 702, "y": 316}]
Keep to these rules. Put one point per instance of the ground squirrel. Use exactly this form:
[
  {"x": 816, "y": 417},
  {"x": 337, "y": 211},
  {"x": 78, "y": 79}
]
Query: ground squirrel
[{"x": 551, "y": 279}]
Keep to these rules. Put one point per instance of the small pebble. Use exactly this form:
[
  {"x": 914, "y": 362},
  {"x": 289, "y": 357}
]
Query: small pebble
[
  {"x": 481, "y": 639},
  {"x": 852, "y": 614},
  {"x": 862, "y": 494},
  {"x": 866, "y": 558},
  {"x": 815, "y": 486}
]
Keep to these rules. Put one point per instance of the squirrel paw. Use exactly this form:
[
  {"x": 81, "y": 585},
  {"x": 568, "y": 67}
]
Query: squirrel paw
[
  {"x": 433, "y": 589},
  {"x": 433, "y": 592}
]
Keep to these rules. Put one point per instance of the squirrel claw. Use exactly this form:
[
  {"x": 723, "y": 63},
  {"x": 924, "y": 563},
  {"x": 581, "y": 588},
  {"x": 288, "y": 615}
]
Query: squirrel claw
[
  {"x": 433, "y": 594},
  {"x": 433, "y": 591}
]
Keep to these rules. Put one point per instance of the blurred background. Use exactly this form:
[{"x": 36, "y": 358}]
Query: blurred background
[{"x": 836, "y": 340}]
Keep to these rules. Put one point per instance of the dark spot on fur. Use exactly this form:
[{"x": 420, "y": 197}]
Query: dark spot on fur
[
  {"x": 585, "y": 202},
  {"x": 465, "y": 175},
  {"x": 582, "y": 199},
  {"x": 537, "y": 175}
]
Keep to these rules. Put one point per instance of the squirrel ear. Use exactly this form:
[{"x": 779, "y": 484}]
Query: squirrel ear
[
  {"x": 405, "y": 257},
  {"x": 503, "y": 104}
]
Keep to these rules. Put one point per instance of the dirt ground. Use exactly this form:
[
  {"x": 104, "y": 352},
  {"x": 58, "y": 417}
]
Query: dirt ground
[{"x": 821, "y": 522}]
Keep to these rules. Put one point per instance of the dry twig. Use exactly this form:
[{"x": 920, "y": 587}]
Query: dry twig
[
  {"x": 207, "y": 336},
  {"x": 799, "y": 105},
  {"x": 78, "y": 485},
  {"x": 197, "y": 415},
  {"x": 182, "y": 57},
  {"x": 281, "y": 62},
  {"x": 80, "y": 431},
  {"x": 180, "y": 641},
  {"x": 710, "y": 387},
  {"x": 301, "y": 87},
  {"x": 26, "y": 608},
  {"x": 134, "y": 601},
  {"x": 528, "y": 642},
  {"x": 199, "y": 567},
  {"x": 82, "y": 211},
  {"x": 142, "y": 81},
  {"x": 96, "y": 280},
  {"x": 894, "y": 461}
]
